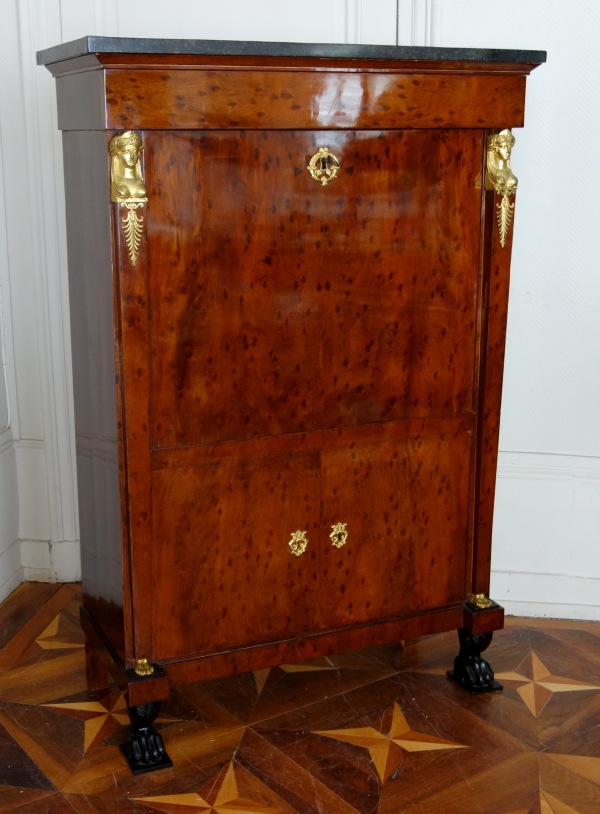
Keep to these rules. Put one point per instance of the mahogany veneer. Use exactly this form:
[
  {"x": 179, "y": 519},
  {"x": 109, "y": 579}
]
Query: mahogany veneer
[{"x": 284, "y": 355}]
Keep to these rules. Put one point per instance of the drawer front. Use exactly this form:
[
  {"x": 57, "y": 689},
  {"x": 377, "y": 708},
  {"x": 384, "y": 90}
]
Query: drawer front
[
  {"x": 230, "y": 99},
  {"x": 225, "y": 574},
  {"x": 405, "y": 508},
  {"x": 281, "y": 305}
]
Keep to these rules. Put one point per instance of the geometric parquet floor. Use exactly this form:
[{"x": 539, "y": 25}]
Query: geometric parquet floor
[{"x": 378, "y": 731}]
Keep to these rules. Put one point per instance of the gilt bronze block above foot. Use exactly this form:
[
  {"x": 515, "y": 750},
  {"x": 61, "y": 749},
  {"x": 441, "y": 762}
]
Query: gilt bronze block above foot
[
  {"x": 144, "y": 749},
  {"x": 472, "y": 672}
]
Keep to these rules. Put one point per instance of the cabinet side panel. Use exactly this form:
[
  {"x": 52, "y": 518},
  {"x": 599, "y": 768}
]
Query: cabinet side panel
[
  {"x": 496, "y": 280},
  {"x": 80, "y": 100},
  {"x": 94, "y": 377}
]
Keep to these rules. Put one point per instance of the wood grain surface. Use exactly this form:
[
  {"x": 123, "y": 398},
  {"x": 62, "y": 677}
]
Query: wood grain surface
[
  {"x": 279, "y": 305},
  {"x": 206, "y": 99}
]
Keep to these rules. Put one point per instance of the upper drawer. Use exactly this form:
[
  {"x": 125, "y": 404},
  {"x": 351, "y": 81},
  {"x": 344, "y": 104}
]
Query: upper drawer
[{"x": 188, "y": 98}]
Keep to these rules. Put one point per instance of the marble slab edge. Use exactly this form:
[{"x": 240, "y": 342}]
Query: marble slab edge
[{"x": 135, "y": 45}]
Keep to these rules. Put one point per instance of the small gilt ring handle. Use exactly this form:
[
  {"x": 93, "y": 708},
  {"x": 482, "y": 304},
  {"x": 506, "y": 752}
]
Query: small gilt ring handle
[{"x": 323, "y": 166}]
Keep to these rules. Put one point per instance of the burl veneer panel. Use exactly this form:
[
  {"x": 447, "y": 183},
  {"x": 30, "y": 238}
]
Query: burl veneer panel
[
  {"x": 496, "y": 269},
  {"x": 279, "y": 305},
  {"x": 229, "y": 578},
  {"x": 308, "y": 99},
  {"x": 405, "y": 504},
  {"x": 227, "y": 574}
]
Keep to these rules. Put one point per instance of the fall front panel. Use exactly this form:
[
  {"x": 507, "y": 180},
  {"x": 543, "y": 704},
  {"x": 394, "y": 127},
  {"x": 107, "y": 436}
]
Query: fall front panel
[{"x": 279, "y": 304}]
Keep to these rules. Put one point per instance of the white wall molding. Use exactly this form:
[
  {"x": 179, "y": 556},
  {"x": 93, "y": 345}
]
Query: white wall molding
[
  {"x": 6, "y": 441},
  {"x": 34, "y": 510},
  {"x": 546, "y": 535},
  {"x": 555, "y": 595},
  {"x": 46, "y": 199},
  {"x": 353, "y": 27},
  {"x": 419, "y": 22},
  {"x": 106, "y": 17},
  {"x": 548, "y": 466},
  {"x": 11, "y": 572}
]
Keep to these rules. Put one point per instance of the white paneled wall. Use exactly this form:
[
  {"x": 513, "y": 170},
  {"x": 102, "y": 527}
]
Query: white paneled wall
[
  {"x": 547, "y": 522},
  {"x": 546, "y": 555}
]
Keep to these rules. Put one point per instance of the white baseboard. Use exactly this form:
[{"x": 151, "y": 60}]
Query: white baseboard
[
  {"x": 545, "y": 559},
  {"x": 552, "y": 595},
  {"x": 11, "y": 569},
  {"x": 50, "y": 562}
]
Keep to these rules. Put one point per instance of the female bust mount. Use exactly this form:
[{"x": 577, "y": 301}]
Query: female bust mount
[
  {"x": 126, "y": 182},
  {"x": 499, "y": 173}
]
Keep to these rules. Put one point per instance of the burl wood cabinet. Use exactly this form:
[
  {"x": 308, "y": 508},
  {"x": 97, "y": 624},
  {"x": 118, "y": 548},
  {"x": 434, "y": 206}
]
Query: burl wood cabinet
[{"x": 289, "y": 271}]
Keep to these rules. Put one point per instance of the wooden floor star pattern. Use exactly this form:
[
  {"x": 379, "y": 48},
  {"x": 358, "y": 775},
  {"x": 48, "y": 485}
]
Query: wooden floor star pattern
[
  {"x": 388, "y": 749},
  {"x": 377, "y": 731},
  {"x": 536, "y": 684},
  {"x": 222, "y": 797}
]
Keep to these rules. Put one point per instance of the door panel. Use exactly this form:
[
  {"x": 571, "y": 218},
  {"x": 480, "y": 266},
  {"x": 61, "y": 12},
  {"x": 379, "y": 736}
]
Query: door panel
[
  {"x": 280, "y": 305},
  {"x": 227, "y": 574},
  {"x": 405, "y": 506}
]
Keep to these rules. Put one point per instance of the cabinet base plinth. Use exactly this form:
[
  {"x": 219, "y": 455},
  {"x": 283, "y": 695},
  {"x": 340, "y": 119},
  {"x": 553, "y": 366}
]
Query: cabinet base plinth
[
  {"x": 144, "y": 749},
  {"x": 471, "y": 671}
]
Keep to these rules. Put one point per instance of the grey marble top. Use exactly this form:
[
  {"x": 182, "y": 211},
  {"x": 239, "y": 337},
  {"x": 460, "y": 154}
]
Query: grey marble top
[{"x": 129, "y": 45}]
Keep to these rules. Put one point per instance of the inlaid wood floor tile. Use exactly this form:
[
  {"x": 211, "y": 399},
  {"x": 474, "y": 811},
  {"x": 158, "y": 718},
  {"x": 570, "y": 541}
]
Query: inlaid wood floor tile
[
  {"x": 264, "y": 693},
  {"x": 388, "y": 744},
  {"x": 12, "y": 797},
  {"x": 505, "y": 787},
  {"x": 232, "y": 790},
  {"x": 21, "y": 606},
  {"x": 17, "y": 767},
  {"x": 389, "y": 731},
  {"x": 377, "y": 731},
  {"x": 535, "y": 683},
  {"x": 54, "y": 803},
  {"x": 101, "y": 718},
  {"x": 547, "y": 684},
  {"x": 35, "y": 625},
  {"x": 588, "y": 767}
]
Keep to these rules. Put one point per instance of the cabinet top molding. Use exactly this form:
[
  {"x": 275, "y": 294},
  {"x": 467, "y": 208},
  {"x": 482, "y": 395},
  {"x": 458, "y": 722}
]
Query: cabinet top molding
[{"x": 131, "y": 45}]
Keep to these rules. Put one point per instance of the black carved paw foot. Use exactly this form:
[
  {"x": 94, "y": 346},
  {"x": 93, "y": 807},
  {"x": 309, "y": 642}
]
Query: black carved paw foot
[
  {"x": 144, "y": 749},
  {"x": 471, "y": 670}
]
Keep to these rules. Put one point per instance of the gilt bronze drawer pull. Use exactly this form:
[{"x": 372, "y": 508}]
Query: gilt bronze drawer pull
[
  {"x": 323, "y": 166},
  {"x": 299, "y": 542},
  {"x": 339, "y": 535}
]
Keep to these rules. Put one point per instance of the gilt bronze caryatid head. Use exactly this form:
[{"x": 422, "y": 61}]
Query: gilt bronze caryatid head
[
  {"x": 126, "y": 181},
  {"x": 500, "y": 175}
]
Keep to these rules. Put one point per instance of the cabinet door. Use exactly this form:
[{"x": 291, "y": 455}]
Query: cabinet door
[
  {"x": 226, "y": 573},
  {"x": 405, "y": 506}
]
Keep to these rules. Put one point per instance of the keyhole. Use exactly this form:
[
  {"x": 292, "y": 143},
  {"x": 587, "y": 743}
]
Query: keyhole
[
  {"x": 339, "y": 537},
  {"x": 323, "y": 165}
]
